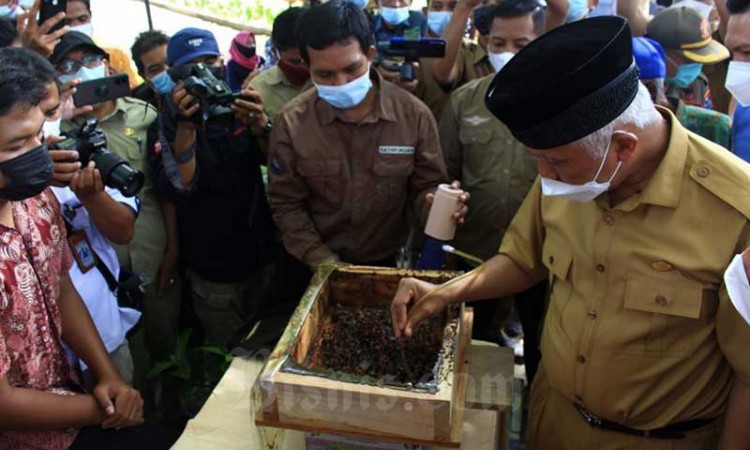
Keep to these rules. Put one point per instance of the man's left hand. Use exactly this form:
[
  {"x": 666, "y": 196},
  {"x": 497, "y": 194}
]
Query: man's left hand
[
  {"x": 250, "y": 108},
  {"x": 463, "y": 203},
  {"x": 87, "y": 182}
]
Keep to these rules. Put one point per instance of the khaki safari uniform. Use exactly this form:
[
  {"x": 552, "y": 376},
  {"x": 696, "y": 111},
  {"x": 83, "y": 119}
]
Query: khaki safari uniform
[
  {"x": 490, "y": 163},
  {"x": 275, "y": 90},
  {"x": 342, "y": 189},
  {"x": 472, "y": 63},
  {"x": 640, "y": 330}
]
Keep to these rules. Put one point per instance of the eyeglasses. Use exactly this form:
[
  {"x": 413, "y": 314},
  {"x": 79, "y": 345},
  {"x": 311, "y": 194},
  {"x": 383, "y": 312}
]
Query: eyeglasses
[{"x": 69, "y": 66}]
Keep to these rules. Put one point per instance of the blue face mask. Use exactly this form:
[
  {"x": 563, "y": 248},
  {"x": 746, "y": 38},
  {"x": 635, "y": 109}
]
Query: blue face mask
[
  {"x": 85, "y": 74},
  {"x": 347, "y": 95},
  {"x": 163, "y": 83},
  {"x": 578, "y": 10},
  {"x": 360, "y": 3},
  {"x": 8, "y": 12},
  {"x": 686, "y": 75},
  {"x": 438, "y": 21},
  {"x": 394, "y": 16}
]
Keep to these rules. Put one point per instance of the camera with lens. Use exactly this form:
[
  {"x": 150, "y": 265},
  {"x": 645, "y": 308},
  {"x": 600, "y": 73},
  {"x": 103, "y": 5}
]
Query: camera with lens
[
  {"x": 91, "y": 144},
  {"x": 410, "y": 50},
  {"x": 214, "y": 94}
]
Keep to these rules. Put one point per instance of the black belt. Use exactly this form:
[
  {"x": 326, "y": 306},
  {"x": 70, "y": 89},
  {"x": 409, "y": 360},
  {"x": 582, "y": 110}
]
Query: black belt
[{"x": 674, "y": 431}]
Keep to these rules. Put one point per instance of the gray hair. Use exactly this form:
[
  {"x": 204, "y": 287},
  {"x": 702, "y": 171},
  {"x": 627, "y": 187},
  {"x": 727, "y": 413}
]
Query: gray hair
[{"x": 641, "y": 113}]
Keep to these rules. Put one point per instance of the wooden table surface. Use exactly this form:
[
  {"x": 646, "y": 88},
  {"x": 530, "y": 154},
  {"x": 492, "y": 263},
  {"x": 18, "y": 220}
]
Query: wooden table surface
[{"x": 226, "y": 420}]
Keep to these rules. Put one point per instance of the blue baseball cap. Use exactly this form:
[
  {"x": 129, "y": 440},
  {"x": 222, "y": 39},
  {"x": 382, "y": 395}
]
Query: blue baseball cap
[
  {"x": 189, "y": 44},
  {"x": 650, "y": 58}
]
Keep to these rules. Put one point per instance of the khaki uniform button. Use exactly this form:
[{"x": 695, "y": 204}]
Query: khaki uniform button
[
  {"x": 703, "y": 171},
  {"x": 551, "y": 259},
  {"x": 609, "y": 219},
  {"x": 581, "y": 359},
  {"x": 600, "y": 268},
  {"x": 661, "y": 300},
  {"x": 592, "y": 314}
]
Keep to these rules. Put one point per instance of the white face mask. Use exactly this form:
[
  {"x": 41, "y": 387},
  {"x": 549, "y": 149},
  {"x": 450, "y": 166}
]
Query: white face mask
[
  {"x": 738, "y": 81},
  {"x": 51, "y": 128},
  {"x": 499, "y": 60},
  {"x": 580, "y": 192},
  {"x": 26, "y": 4},
  {"x": 86, "y": 28}
]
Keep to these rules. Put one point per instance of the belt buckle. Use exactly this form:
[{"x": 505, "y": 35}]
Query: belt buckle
[{"x": 591, "y": 419}]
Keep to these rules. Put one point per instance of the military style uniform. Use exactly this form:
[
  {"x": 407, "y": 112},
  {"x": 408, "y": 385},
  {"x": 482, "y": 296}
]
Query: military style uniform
[
  {"x": 640, "y": 330},
  {"x": 472, "y": 63},
  {"x": 492, "y": 165},
  {"x": 340, "y": 189}
]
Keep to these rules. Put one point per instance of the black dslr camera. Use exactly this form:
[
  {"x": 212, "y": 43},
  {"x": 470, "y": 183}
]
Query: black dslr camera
[
  {"x": 411, "y": 50},
  {"x": 201, "y": 83},
  {"x": 214, "y": 95},
  {"x": 91, "y": 145}
]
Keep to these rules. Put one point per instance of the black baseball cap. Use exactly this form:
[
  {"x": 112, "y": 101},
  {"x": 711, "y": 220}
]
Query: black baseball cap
[{"x": 73, "y": 40}]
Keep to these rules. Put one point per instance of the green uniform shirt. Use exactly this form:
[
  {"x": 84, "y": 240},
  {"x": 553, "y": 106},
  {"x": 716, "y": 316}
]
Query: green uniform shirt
[
  {"x": 712, "y": 125},
  {"x": 125, "y": 130},
  {"x": 491, "y": 165},
  {"x": 275, "y": 90},
  {"x": 472, "y": 63}
]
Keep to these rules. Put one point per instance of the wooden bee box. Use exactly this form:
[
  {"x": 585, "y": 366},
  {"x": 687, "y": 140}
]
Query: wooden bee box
[{"x": 293, "y": 391}]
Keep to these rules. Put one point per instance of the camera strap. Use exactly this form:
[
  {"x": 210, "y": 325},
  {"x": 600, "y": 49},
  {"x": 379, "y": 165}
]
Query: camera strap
[{"x": 81, "y": 256}]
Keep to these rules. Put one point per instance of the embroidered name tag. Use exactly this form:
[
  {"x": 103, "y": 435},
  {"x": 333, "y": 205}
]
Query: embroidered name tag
[{"x": 395, "y": 150}]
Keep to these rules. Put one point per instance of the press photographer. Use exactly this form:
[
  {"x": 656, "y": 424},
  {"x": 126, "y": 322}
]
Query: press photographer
[
  {"x": 94, "y": 218},
  {"x": 119, "y": 140},
  {"x": 206, "y": 155}
]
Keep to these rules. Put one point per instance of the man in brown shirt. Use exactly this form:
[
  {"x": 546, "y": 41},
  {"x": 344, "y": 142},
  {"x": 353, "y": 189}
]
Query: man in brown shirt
[
  {"x": 349, "y": 158},
  {"x": 642, "y": 347}
]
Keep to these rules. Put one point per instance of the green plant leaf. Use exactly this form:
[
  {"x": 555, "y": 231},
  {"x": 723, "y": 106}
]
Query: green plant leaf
[
  {"x": 183, "y": 372},
  {"x": 159, "y": 368},
  {"x": 214, "y": 349}
]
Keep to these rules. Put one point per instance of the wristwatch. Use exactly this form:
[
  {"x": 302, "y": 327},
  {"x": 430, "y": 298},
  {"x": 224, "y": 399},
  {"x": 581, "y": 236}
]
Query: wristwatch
[{"x": 185, "y": 156}]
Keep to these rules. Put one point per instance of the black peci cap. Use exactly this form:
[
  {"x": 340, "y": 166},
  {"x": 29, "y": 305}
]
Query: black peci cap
[{"x": 566, "y": 84}]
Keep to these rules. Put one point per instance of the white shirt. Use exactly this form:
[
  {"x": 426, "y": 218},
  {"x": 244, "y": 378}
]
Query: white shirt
[{"x": 112, "y": 322}]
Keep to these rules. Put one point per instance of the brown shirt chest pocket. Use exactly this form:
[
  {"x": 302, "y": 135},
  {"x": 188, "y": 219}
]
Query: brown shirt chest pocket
[
  {"x": 325, "y": 181},
  {"x": 666, "y": 317},
  {"x": 558, "y": 260},
  {"x": 391, "y": 181}
]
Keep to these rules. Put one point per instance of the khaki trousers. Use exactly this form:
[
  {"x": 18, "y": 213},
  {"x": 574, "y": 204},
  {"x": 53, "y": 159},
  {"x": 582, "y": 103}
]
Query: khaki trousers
[{"x": 554, "y": 424}]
